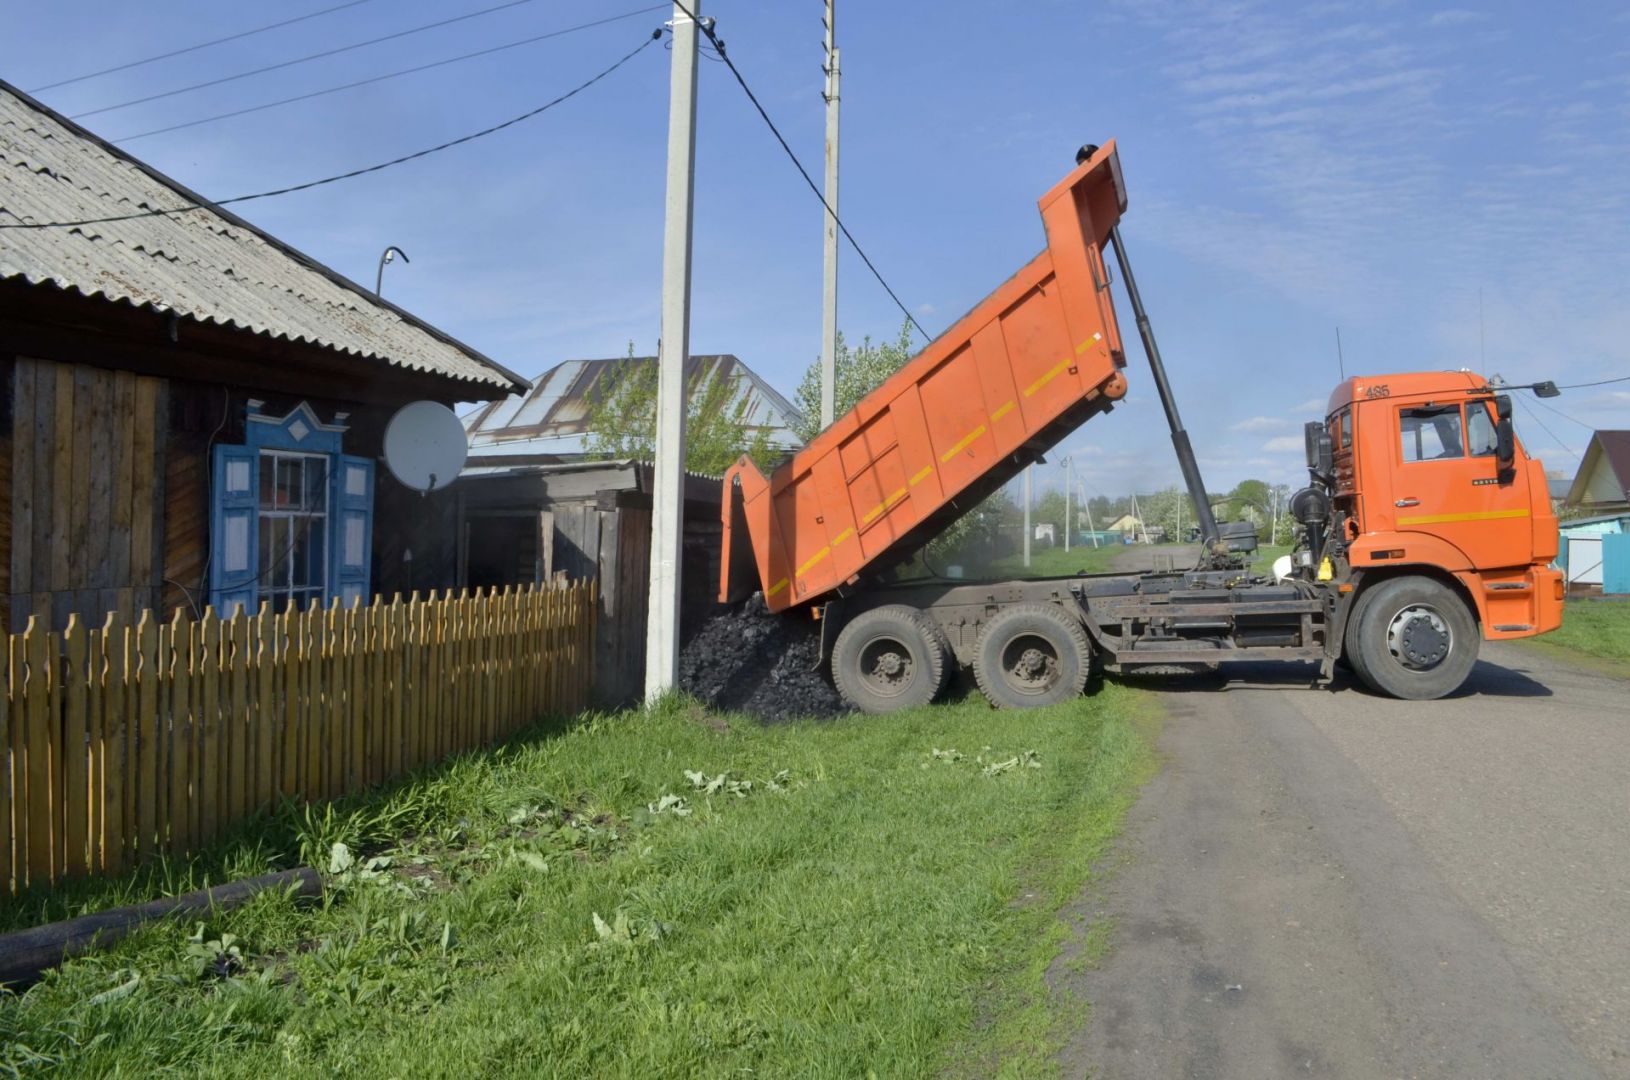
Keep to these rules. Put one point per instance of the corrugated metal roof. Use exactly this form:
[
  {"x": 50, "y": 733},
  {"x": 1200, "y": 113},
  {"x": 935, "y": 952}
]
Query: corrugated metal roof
[
  {"x": 554, "y": 417},
  {"x": 208, "y": 265}
]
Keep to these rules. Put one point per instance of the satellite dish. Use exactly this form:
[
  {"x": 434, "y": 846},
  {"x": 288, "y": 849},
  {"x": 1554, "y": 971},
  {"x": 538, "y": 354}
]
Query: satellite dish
[{"x": 425, "y": 445}]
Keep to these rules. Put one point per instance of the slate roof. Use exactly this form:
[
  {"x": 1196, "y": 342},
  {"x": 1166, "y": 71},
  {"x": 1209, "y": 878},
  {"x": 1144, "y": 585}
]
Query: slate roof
[
  {"x": 553, "y": 419},
  {"x": 209, "y": 265}
]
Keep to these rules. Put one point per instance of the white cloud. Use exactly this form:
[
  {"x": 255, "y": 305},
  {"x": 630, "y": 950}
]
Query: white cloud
[
  {"x": 1262, "y": 423},
  {"x": 1284, "y": 444}
]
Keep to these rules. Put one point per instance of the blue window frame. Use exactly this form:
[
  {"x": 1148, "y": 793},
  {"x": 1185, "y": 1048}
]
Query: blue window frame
[{"x": 291, "y": 515}]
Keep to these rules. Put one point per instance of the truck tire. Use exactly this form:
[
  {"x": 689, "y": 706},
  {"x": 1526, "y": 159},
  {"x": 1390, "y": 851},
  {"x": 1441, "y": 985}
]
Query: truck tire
[
  {"x": 1349, "y": 644},
  {"x": 1030, "y": 655},
  {"x": 1416, "y": 639},
  {"x": 888, "y": 658},
  {"x": 949, "y": 668}
]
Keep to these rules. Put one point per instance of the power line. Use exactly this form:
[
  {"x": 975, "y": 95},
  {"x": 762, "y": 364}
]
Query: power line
[
  {"x": 707, "y": 28},
  {"x": 354, "y": 172},
  {"x": 1534, "y": 416},
  {"x": 389, "y": 75},
  {"x": 1598, "y": 382},
  {"x": 194, "y": 48},
  {"x": 1563, "y": 415},
  {"x": 301, "y": 59}
]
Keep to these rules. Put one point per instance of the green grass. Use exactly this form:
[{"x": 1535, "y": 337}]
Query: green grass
[
  {"x": 865, "y": 907},
  {"x": 1597, "y": 628}
]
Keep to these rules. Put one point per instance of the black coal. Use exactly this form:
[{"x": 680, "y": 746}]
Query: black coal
[{"x": 744, "y": 659}]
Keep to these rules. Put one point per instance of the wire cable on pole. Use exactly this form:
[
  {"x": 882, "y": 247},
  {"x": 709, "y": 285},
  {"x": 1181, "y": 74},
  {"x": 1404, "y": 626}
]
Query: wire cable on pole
[
  {"x": 707, "y": 28},
  {"x": 388, "y": 75},
  {"x": 281, "y": 64},
  {"x": 1563, "y": 415},
  {"x": 1598, "y": 382},
  {"x": 194, "y": 48},
  {"x": 1534, "y": 416},
  {"x": 354, "y": 172}
]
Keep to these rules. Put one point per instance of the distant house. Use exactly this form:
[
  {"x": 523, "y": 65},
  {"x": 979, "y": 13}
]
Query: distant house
[
  {"x": 1126, "y": 523},
  {"x": 193, "y": 410},
  {"x": 1602, "y": 484},
  {"x": 551, "y": 423}
]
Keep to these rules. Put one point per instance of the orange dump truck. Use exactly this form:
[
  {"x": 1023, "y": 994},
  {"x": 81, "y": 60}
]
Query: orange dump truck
[{"x": 1426, "y": 526}]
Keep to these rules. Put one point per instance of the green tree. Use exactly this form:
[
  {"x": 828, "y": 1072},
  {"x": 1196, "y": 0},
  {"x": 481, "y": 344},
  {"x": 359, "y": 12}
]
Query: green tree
[
  {"x": 859, "y": 372},
  {"x": 623, "y": 420}
]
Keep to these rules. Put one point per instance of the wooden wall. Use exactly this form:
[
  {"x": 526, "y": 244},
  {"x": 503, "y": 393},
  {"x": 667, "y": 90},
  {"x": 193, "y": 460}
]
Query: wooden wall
[{"x": 86, "y": 462}]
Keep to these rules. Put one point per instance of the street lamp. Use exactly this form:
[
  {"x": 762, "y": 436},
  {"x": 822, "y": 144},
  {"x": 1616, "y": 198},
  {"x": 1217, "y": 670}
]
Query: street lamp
[{"x": 386, "y": 256}]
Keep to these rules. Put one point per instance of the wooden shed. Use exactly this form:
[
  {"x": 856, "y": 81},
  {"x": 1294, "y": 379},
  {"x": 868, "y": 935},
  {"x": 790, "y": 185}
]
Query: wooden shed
[
  {"x": 192, "y": 411},
  {"x": 588, "y": 519}
]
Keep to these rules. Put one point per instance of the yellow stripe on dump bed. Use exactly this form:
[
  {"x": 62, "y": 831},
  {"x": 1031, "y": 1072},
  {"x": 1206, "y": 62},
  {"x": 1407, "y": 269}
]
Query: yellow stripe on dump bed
[
  {"x": 1057, "y": 370},
  {"x": 962, "y": 444},
  {"x": 813, "y": 559}
]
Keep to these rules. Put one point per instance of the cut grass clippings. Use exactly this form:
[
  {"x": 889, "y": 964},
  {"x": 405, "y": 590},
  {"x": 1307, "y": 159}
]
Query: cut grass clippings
[{"x": 654, "y": 893}]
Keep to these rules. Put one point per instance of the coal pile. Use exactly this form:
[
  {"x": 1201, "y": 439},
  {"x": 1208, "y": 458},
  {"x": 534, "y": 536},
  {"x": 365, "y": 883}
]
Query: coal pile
[{"x": 744, "y": 659}]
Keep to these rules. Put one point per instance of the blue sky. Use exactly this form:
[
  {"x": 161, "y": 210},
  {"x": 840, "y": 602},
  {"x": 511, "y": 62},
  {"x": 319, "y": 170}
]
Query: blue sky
[{"x": 1389, "y": 168}]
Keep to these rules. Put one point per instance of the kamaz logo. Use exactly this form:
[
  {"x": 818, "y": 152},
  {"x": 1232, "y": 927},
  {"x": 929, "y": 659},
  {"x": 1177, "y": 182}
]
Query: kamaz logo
[{"x": 1490, "y": 482}]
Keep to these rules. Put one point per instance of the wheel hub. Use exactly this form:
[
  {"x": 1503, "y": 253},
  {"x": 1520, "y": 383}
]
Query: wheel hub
[
  {"x": 1029, "y": 665},
  {"x": 1419, "y": 637},
  {"x": 887, "y": 667}
]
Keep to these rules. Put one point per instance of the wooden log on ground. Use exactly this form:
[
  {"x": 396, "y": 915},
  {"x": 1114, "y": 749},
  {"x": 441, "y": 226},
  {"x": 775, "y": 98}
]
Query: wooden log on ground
[{"x": 25, "y": 955}]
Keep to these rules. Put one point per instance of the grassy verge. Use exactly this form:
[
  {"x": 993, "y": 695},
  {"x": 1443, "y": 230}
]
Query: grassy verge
[
  {"x": 649, "y": 894},
  {"x": 1597, "y": 628}
]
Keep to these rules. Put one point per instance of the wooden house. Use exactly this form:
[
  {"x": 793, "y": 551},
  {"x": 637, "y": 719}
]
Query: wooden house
[{"x": 193, "y": 412}]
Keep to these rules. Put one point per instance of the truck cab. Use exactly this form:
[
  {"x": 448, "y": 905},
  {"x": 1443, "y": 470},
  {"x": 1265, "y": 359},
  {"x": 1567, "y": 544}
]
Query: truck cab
[{"x": 1426, "y": 480}]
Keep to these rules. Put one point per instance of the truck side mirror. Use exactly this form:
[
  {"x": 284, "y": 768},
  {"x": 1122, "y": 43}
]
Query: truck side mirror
[
  {"x": 1321, "y": 457},
  {"x": 1505, "y": 439}
]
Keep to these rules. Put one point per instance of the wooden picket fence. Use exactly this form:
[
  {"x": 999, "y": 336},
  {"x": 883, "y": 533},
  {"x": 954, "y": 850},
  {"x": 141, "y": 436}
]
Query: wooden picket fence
[{"x": 122, "y": 742}]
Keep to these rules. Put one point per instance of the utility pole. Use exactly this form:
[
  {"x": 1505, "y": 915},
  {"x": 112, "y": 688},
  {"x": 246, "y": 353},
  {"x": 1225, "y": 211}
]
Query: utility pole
[
  {"x": 1028, "y": 469},
  {"x": 1091, "y": 527},
  {"x": 668, "y": 473},
  {"x": 829, "y": 276},
  {"x": 1069, "y": 487}
]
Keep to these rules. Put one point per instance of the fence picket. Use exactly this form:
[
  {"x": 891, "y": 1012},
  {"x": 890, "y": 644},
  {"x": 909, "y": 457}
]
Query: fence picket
[
  {"x": 75, "y": 769},
  {"x": 181, "y": 733},
  {"x": 264, "y": 636},
  {"x": 209, "y": 802}
]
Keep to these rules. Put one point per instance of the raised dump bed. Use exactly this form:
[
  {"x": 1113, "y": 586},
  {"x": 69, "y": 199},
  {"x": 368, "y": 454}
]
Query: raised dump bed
[{"x": 1030, "y": 363}]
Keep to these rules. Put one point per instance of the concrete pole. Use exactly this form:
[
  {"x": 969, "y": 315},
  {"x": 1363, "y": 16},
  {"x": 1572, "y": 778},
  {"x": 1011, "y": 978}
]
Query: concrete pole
[
  {"x": 1091, "y": 527},
  {"x": 1028, "y": 469},
  {"x": 668, "y": 479},
  {"x": 1069, "y": 486},
  {"x": 829, "y": 276}
]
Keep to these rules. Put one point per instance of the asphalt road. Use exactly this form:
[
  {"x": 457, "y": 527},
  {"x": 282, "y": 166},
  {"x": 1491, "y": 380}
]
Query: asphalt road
[{"x": 1336, "y": 884}]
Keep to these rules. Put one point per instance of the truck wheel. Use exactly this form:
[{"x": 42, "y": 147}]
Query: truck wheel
[
  {"x": 1416, "y": 640},
  {"x": 888, "y": 658},
  {"x": 1031, "y": 654}
]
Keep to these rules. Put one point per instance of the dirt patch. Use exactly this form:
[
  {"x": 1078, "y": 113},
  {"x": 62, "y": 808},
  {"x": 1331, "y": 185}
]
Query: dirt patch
[{"x": 744, "y": 659}]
